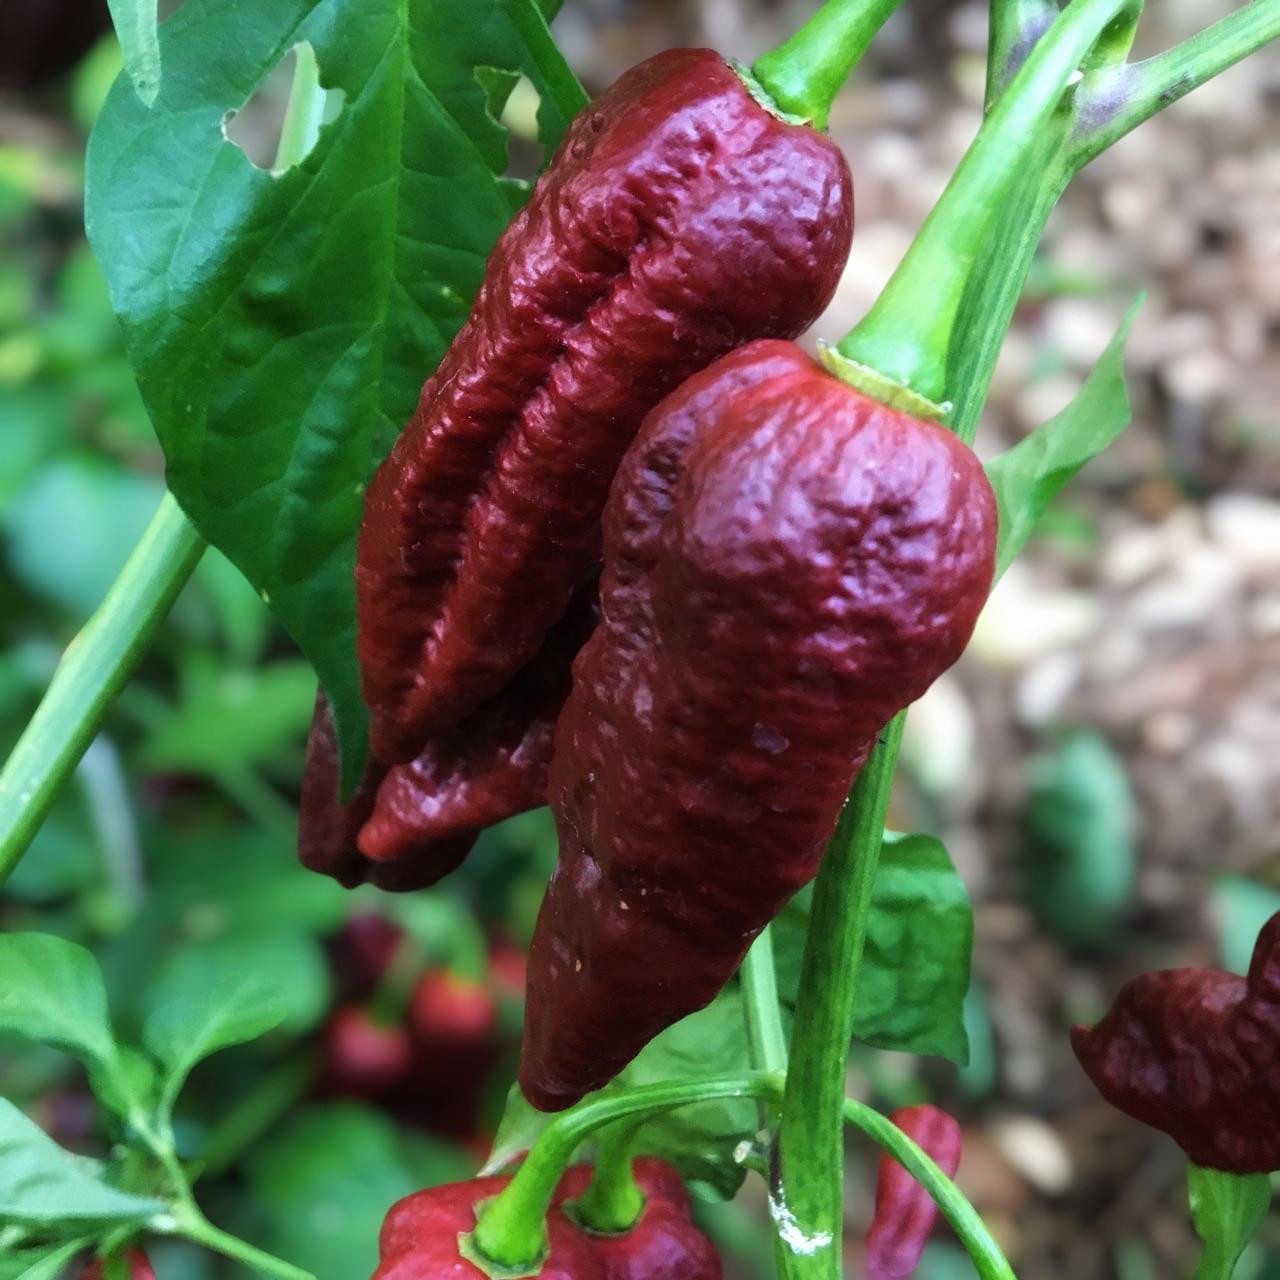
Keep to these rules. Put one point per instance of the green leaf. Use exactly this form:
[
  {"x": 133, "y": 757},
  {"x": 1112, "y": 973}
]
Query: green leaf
[
  {"x": 1029, "y": 476},
  {"x": 196, "y": 973},
  {"x": 281, "y": 326},
  {"x": 229, "y": 718},
  {"x": 915, "y": 968},
  {"x": 40, "y": 1183},
  {"x": 1080, "y": 859},
  {"x": 232, "y": 1009},
  {"x": 51, "y": 991},
  {"x": 1227, "y": 1209},
  {"x": 322, "y": 1184},
  {"x": 135, "y": 23},
  {"x": 44, "y": 1263}
]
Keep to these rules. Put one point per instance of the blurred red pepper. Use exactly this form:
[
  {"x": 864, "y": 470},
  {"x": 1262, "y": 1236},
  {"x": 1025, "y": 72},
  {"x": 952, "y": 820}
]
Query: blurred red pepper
[
  {"x": 136, "y": 1266},
  {"x": 905, "y": 1212},
  {"x": 1195, "y": 1053},
  {"x": 362, "y": 1057}
]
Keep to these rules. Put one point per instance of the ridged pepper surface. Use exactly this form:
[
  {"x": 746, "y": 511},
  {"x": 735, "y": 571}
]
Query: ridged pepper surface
[
  {"x": 1195, "y": 1053},
  {"x": 787, "y": 564},
  {"x": 419, "y": 1239},
  {"x": 905, "y": 1212},
  {"x": 679, "y": 219},
  {"x": 409, "y": 825}
]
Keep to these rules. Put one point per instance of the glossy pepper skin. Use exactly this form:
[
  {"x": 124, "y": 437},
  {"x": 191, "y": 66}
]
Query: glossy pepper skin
[
  {"x": 410, "y": 825},
  {"x": 678, "y": 219},
  {"x": 419, "y": 1236},
  {"x": 1194, "y": 1053},
  {"x": 787, "y": 564},
  {"x": 905, "y": 1212}
]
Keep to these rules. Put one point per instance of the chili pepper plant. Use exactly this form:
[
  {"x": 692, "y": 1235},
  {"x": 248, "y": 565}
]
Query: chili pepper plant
[{"x": 535, "y": 476}]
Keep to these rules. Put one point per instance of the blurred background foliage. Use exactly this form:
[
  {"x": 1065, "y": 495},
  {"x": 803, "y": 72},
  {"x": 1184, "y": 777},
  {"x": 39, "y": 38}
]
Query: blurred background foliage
[{"x": 1103, "y": 766}]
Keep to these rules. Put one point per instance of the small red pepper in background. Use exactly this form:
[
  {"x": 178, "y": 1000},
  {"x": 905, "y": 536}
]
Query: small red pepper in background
[
  {"x": 362, "y": 1057},
  {"x": 361, "y": 954},
  {"x": 788, "y": 563},
  {"x": 453, "y": 1023},
  {"x": 905, "y": 1212},
  {"x": 419, "y": 1239},
  {"x": 137, "y": 1267},
  {"x": 1195, "y": 1053},
  {"x": 679, "y": 219}
]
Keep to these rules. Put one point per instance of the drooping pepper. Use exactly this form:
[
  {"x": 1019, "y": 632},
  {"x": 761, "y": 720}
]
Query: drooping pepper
[
  {"x": 1194, "y": 1053},
  {"x": 679, "y": 219},
  {"x": 419, "y": 1238},
  {"x": 905, "y": 1212},
  {"x": 787, "y": 564},
  {"x": 410, "y": 825}
]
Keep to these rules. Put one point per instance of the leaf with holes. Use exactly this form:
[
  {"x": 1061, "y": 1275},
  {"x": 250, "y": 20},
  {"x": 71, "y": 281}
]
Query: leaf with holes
[{"x": 282, "y": 324}]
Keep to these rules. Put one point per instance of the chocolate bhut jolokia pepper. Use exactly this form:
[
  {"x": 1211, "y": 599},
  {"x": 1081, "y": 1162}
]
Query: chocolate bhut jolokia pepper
[
  {"x": 1196, "y": 1054},
  {"x": 787, "y": 564},
  {"x": 679, "y": 219},
  {"x": 410, "y": 825},
  {"x": 905, "y": 1212},
  {"x": 419, "y": 1238}
]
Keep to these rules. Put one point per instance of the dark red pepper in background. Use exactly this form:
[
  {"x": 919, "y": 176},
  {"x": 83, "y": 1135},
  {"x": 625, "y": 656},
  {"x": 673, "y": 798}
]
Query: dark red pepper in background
[
  {"x": 1195, "y": 1053},
  {"x": 453, "y": 1023},
  {"x": 410, "y": 825},
  {"x": 678, "y": 219},
  {"x": 905, "y": 1212},
  {"x": 787, "y": 564},
  {"x": 419, "y": 1239}
]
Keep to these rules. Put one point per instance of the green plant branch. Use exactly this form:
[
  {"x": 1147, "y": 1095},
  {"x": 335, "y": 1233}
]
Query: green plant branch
[
  {"x": 1115, "y": 101},
  {"x": 808, "y": 1200},
  {"x": 1015, "y": 27},
  {"x": 193, "y": 1225},
  {"x": 907, "y": 334},
  {"x": 758, "y": 977},
  {"x": 803, "y": 75},
  {"x": 965, "y": 1220},
  {"x": 94, "y": 668}
]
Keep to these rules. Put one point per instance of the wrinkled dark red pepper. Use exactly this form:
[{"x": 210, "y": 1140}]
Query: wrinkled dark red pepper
[
  {"x": 905, "y": 1212},
  {"x": 787, "y": 564},
  {"x": 410, "y": 825},
  {"x": 1195, "y": 1053},
  {"x": 419, "y": 1239},
  {"x": 678, "y": 219}
]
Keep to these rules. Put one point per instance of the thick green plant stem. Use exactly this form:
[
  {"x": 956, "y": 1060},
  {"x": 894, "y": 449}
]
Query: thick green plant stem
[
  {"x": 194, "y": 1226},
  {"x": 511, "y": 1232},
  {"x": 759, "y": 979},
  {"x": 807, "y": 1203},
  {"x": 612, "y": 1202},
  {"x": 94, "y": 668},
  {"x": 965, "y": 1220},
  {"x": 1114, "y": 104},
  {"x": 1014, "y": 28},
  {"x": 907, "y": 334},
  {"x": 804, "y": 75}
]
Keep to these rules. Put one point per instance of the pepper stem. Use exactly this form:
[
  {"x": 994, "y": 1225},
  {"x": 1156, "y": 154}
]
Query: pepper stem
[
  {"x": 613, "y": 1202},
  {"x": 907, "y": 334},
  {"x": 804, "y": 75},
  {"x": 511, "y": 1230}
]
